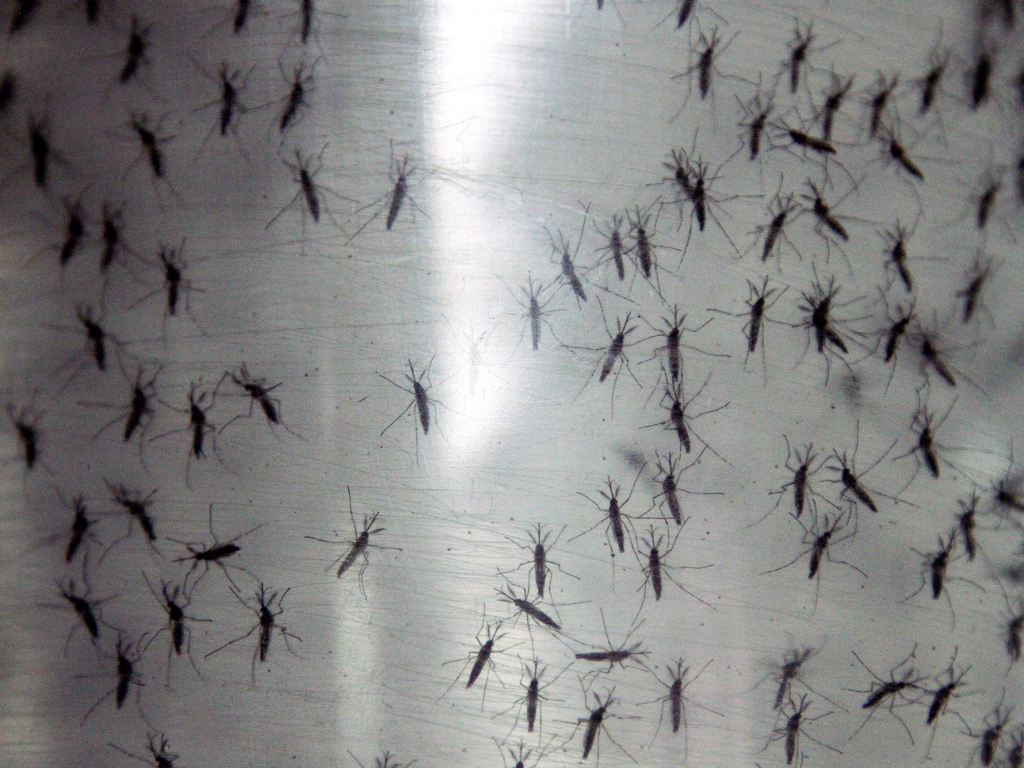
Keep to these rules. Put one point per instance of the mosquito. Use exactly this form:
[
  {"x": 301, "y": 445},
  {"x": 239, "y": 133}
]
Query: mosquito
[
  {"x": 615, "y": 247},
  {"x": 534, "y": 695},
  {"x": 850, "y": 479},
  {"x": 595, "y": 721},
  {"x": 621, "y": 655},
  {"x": 878, "y": 99},
  {"x": 25, "y": 423},
  {"x": 536, "y": 311},
  {"x": 800, "y": 484},
  {"x": 615, "y": 518},
  {"x": 127, "y": 657},
  {"x": 995, "y": 722},
  {"x": 358, "y": 546},
  {"x": 794, "y": 729},
  {"x": 480, "y": 658},
  {"x": 892, "y": 692},
  {"x": 202, "y": 556},
  {"x": 540, "y": 550},
  {"x": 942, "y": 696},
  {"x": 757, "y": 111},
  {"x": 525, "y": 606},
  {"x": 655, "y": 569},
  {"x": 780, "y": 211},
  {"x": 259, "y": 394},
  {"x": 925, "y": 451},
  {"x": 819, "y": 538},
  {"x": 138, "y": 414},
  {"x": 567, "y": 261},
  {"x": 673, "y": 346},
  {"x": 162, "y": 755},
  {"x": 174, "y": 600},
  {"x": 80, "y": 526},
  {"x": 935, "y": 573},
  {"x": 679, "y": 422},
  {"x": 266, "y": 624},
  {"x": 669, "y": 473},
  {"x": 896, "y": 253},
  {"x": 421, "y": 401},
  {"x": 676, "y": 699},
  {"x": 834, "y": 99},
  {"x": 384, "y": 761},
  {"x": 966, "y": 524},
  {"x": 84, "y": 607},
  {"x": 309, "y": 193},
  {"x": 977, "y": 279},
  {"x": 199, "y": 426},
  {"x": 393, "y": 200},
  {"x": 136, "y": 506}
]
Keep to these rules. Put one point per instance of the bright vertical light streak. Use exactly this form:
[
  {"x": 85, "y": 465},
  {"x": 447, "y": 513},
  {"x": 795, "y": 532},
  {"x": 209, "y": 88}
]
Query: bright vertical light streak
[{"x": 465, "y": 140}]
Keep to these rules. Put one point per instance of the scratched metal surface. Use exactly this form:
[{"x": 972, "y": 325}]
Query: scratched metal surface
[{"x": 514, "y": 115}]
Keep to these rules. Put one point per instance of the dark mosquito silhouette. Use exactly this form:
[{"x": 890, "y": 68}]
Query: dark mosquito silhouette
[
  {"x": 540, "y": 550},
  {"x": 707, "y": 50},
  {"x": 162, "y": 757},
  {"x": 25, "y": 423},
  {"x": 877, "y": 100},
  {"x": 616, "y": 520},
  {"x": 673, "y": 346},
  {"x": 651, "y": 557},
  {"x": 96, "y": 336},
  {"x": 615, "y": 247},
  {"x": 8, "y": 90},
  {"x": 679, "y": 421},
  {"x": 892, "y": 693},
  {"x": 296, "y": 102},
  {"x": 925, "y": 452},
  {"x": 676, "y": 699},
  {"x": 384, "y": 761},
  {"x": 758, "y": 112},
  {"x": 966, "y": 523},
  {"x": 174, "y": 599},
  {"x": 942, "y": 696},
  {"x": 819, "y": 539},
  {"x": 977, "y": 279},
  {"x": 595, "y": 721},
  {"x": 23, "y": 12},
  {"x": 202, "y": 556},
  {"x": 136, "y": 506},
  {"x": 791, "y": 732},
  {"x": 567, "y": 261},
  {"x": 135, "y": 52},
  {"x": 667, "y": 477},
  {"x": 150, "y": 141},
  {"x": 84, "y": 607},
  {"x": 526, "y": 606},
  {"x": 802, "y": 472},
  {"x": 536, "y": 311},
  {"x": 391, "y": 201},
  {"x": 127, "y": 657},
  {"x": 979, "y": 79},
  {"x": 80, "y": 525},
  {"x": 421, "y": 401},
  {"x": 896, "y": 240},
  {"x": 259, "y": 394},
  {"x": 267, "y": 623},
  {"x": 480, "y": 658},
  {"x": 851, "y": 479},
  {"x": 199, "y": 426},
  {"x": 612, "y": 655},
  {"x": 935, "y": 575},
  {"x": 995, "y": 723},
  {"x": 309, "y": 194},
  {"x": 834, "y": 99},
  {"x": 357, "y": 547},
  {"x": 692, "y": 182},
  {"x": 534, "y": 695},
  {"x": 895, "y": 151},
  {"x": 773, "y": 234}
]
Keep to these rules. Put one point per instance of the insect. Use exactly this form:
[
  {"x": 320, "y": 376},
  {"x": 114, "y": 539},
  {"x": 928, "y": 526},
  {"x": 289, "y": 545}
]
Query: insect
[
  {"x": 162, "y": 755},
  {"x": 895, "y": 331},
  {"x": 938, "y": 61},
  {"x": 150, "y": 139},
  {"x": 175, "y": 284},
  {"x": 977, "y": 279},
  {"x": 895, "y": 692},
  {"x": 942, "y": 695},
  {"x": 536, "y": 312},
  {"x": 111, "y": 236},
  {"x": 802, "y": 474},
  {"x": 567, "y": 261},
  {"x": 1015, "y": 752},
  {"x": 791, "y": 732},
  {"x": 135, "y": 51},
  {"x": 677, "y": 699},
  {"x": 799, "y": 48},
  {"x": 692, "y": 183},
  {"x": 935, "y": 573},
  {"x": 534, "y": 695},
  {"x": 174, "y": 600},
  {"x": 966, "y": 524},
  {"x": 25, "y": 423},
  {"x": 818, "y": 305},
  {"x": 621, "y": 655},
  {"x": 384, "y": 761},
  {"x": 878, "y": 100},
  {"x": 925, "y": 451},
  {"x": 804, "y": 140},
  {"x": 8, "y": 90},
  {"x": 266, "y": 623},
  {"x": 757, "y": 111},
  {"x": 40, "y": 149},
  {"x": 669, "y": 472},
  {"x": 199, "y": 426},
  {"x": 127, "y": 655},
  {"x": 80, "y": 526},
  {"x": 614, "y": 516},
  {"x": 23, "y": 13},
  {"x": 706, "y": 51},
  {"x": 834, "y": 98},
  {"x": 295, "y": 101},
  {"x": 136, "y": 506},
  {"x": 1014, "y": 629},
  {"x": 615, "y": 246},
  {"x": 231, "y": 83},
  {"x": 673, "y": 346},
  {"x": 780, "y": 212},
  {"x": 788, "y": 672},
  {"x": 819, "y": 537},
  {"x": 823, "y": 213},
  {"x": 309, "y": 192},
  {"x": 95, "y": 336},
  {"x": 616, "y": 350},
  {"x": 540, "y": 549},
  {"x": 898, "y": 152},
  {"x": 655, "y": 569},
  {"x": 480, "y": 658},
  {"x": 74, "y": 233},
  {"x": 851, "y": 479},
  {"x": 596, "y": 723},
  {"x": 995, "y": 722},
  {"x": 421, "y": 401},
  {"x": 678, "y": 421},
  {"x": 643, "y": 250},
  {"x": 393, "y": 200},
  {"x": 358, "y": 546},
  {"x": 980, "y": 79},
  {"x": 83, "y": 607},
  {"x": 525, "y": 605},
  {"x": 759, "y": 301},
  {"x": 933, "y": 357},
  {"x": 258, "y": 393},
  {"x": 203, "y": 556},
  {"x": 138, "y": 414},
  {"x": 896, "y": 240}
]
